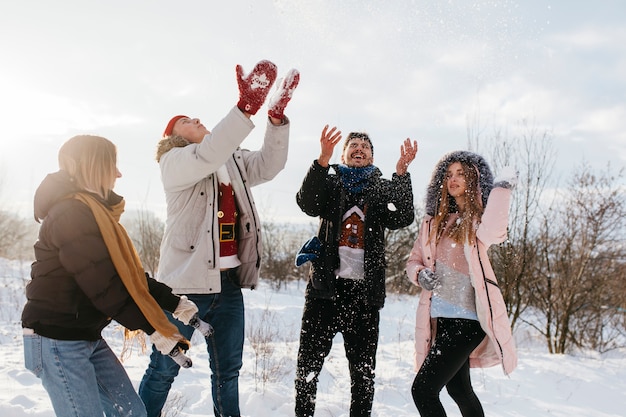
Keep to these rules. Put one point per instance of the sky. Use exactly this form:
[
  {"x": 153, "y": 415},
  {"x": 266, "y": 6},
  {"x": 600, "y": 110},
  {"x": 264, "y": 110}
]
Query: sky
[
  {"x": 585, "y": 384},
  {"x": 428, "y": 70}
]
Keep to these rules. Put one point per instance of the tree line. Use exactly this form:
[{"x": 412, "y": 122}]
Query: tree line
[{"x": 561, "y": 271}]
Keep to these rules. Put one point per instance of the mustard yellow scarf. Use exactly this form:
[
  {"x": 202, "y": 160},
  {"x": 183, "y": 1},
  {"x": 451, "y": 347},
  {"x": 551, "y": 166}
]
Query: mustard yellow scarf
[{"x": 127, "y": 263}]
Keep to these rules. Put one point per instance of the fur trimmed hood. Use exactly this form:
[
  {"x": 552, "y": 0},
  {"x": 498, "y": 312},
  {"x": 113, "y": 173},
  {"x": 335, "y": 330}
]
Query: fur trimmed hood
[
  {"x": 168, "y": 143},
  {"x": 433, "y": 192}
]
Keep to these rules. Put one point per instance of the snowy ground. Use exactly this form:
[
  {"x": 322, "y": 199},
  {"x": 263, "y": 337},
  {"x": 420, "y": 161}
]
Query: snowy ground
[{"x": 543, "y": 385}]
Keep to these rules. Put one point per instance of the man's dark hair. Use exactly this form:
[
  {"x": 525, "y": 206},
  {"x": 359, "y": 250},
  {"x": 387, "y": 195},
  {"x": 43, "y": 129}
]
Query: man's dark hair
[{"x": 358, "y": 135}]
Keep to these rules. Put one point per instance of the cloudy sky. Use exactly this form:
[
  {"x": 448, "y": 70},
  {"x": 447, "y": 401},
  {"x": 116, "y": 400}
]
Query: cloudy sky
[{"x": 424, "y": 69}]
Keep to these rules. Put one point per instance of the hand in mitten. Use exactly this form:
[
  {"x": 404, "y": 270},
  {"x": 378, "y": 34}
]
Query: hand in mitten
[
  {"x": 178, "y": 355},
  {"x": 185, "y": 310},
  {"x": 310, "y": 251},
  {"x": 254, "y": 87},
  {"x": 427, "y": 279},
  {"x": 506, "y": 179},
  {"x": 283, "y": 94},
  {"x": 202, "y": 326},
  {"x": 172, "y": 347}
]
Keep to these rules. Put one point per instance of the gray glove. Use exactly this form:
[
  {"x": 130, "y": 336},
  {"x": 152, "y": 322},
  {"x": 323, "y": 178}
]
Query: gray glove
[
  {"x": 506, "y": 179},
  {"x": 180, "y": 358},
  {"x": 427, "y": 279},
  {"x": 202, "y": 326},
  {"x": 187, "y": 312},
  {"x": 172, "y": 347}
]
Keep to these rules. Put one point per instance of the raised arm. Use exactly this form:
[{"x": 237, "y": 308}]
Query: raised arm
[
  {"x": 329, "y": 139},
  {"x": 408, "y": 151}
]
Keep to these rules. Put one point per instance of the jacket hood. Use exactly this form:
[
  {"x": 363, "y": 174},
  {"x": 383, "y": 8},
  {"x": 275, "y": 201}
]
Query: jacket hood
[
  {"x": 168, "y": 143},
  {"x": 52, "y": 189},
  {"x": 433, "y": 192},
  {"x": 57, "y": 186}
]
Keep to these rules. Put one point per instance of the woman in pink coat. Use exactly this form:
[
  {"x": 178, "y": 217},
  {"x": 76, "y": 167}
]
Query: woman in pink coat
[{"x": 461, "y": 319}]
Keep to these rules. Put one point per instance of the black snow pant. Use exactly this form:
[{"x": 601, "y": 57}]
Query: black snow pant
[
  {"x": 358, "y": 323},
  {"x": 447, "y": 364}
]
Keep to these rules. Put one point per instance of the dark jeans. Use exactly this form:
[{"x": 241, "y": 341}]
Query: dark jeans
[
  {"x": 358, "y": 324},
  {"x": 225, "y": 312},
  {"x": 447, "y": 364}
]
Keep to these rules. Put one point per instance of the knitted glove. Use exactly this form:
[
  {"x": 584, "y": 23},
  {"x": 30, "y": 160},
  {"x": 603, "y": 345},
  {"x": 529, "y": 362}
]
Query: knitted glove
[
  {"x": 180, "y": 358},
  {"x": 310, "y": 251},
  {"x": 427, "y": 279},
  {"x": 506, "y": 179},
  {"x": 172, "y": 347},
  {"x": 254, "y": 87},
  {"x": 283, "y": 94},
  {"x": 202, "y": 326},
  {"x": 185, "y": 310}
]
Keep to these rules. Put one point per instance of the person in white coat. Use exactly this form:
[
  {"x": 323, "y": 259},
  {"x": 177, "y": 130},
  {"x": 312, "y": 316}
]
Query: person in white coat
[
  {"x": 212, "y": 246},
  {"x": 461, "y": 319}
]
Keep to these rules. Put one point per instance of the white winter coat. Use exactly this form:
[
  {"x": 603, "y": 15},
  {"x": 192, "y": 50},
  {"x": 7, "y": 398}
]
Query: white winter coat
[{"x": 189, "y": 260}]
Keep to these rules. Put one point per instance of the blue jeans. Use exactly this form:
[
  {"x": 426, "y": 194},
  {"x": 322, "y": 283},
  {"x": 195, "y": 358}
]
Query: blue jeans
[
  {"x": 82, "y": 378},
  {"x": 225, "y": 312}
]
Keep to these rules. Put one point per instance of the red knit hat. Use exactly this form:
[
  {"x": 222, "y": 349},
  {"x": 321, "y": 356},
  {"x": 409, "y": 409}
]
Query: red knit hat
[{"x": 170, "y": 125}]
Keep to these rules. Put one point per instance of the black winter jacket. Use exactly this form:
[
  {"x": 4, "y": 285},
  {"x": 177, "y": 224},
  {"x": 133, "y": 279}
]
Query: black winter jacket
[
  {"x": 389, "y": 204},
  {"x": 75, "y": 290}
]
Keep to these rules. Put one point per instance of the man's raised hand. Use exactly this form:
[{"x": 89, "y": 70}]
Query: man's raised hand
[
  {"x": 328, "y": 141},
  {"x": 408, "y": 151}
]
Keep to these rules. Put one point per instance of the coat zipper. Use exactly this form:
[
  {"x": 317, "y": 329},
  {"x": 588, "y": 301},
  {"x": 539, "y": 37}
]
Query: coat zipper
[{"x": 252, "y": 212}]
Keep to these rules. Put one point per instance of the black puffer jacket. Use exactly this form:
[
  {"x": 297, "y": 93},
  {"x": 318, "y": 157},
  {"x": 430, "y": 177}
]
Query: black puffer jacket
[
  {"x": 75, "y": 290},
  {"x": 323, "y": 194}
]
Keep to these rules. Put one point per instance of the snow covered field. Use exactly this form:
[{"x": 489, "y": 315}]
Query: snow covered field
[{"x": 586, "y": 385}]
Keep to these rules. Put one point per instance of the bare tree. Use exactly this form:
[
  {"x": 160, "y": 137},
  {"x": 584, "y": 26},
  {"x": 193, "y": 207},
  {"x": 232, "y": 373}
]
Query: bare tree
[
  {"x": 281, "y": 243},
  {"x": 398, "y": 244},
  {"x": 532, "y": 155},
  {"x": 146, "y": 231},
  {"x": 17, "y": 236},
  {"x": 582, "y": 256}
]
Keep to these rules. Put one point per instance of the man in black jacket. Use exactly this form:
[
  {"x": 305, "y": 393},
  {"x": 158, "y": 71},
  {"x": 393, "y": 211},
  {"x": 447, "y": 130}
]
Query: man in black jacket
[{"x": 346, "y": 288}]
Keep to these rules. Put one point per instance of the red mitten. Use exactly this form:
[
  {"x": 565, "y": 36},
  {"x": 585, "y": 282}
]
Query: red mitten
[
  {"x": 253, "y": 88},
  {"x": 281, "y": 97}
]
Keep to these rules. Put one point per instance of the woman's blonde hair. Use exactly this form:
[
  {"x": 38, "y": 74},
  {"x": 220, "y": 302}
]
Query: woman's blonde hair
[
  {"x": 464, "y": 229},
  {"x": 91, "y": 162}
]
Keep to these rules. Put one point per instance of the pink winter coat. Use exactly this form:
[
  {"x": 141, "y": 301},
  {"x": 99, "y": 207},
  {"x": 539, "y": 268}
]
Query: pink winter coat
[{"x": 498, "y": 347}]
